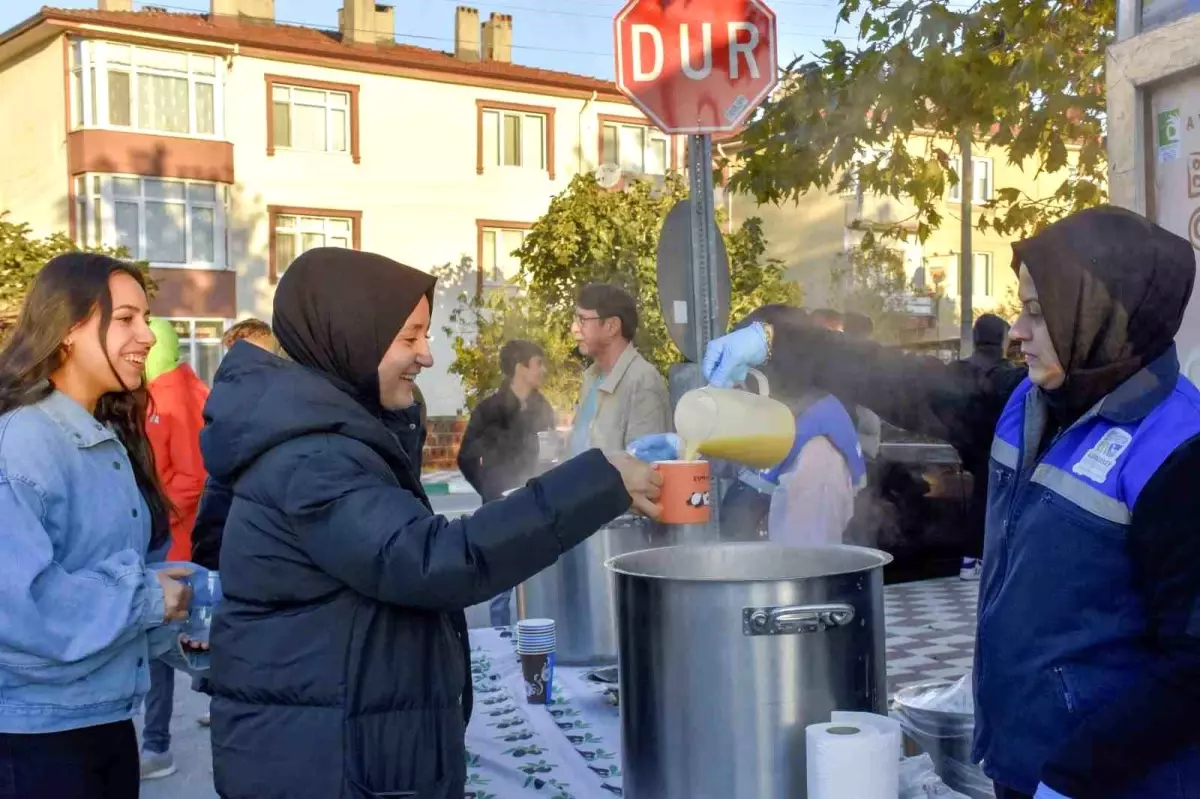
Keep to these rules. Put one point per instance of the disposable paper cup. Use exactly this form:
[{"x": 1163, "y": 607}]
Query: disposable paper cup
[{"x": 538, "y": 671}]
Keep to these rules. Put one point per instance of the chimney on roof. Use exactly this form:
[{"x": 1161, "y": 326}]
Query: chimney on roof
[
  {"x": 116, "y": 5},
  {"x": 255, "y": 9},
  {"x": 367, "y": 23},
  {"x": 497, "y": 38},
  {"x": 466, "y": 33},
  {"x": 385, "y": 24}
]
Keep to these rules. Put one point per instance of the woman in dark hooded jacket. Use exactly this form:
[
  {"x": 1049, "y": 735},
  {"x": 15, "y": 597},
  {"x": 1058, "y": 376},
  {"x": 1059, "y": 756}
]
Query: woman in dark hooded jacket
[
  {"x": 1087, "y": 659},
  {"x": 340, "y": 666}
]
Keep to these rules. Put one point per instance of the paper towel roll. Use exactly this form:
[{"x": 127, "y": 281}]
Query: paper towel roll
[
  {"x": 884, "y": 724},
  {"x": 850, "y": 762}
]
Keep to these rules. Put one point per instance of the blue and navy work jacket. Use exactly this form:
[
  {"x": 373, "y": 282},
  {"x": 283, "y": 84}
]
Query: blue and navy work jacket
[{"x": 1062, "y": 625}]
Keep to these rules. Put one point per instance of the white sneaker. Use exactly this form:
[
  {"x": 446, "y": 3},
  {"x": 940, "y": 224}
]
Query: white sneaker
[
  {"x": 157, "y": 765},
  {"x": 971, "y": 569}
]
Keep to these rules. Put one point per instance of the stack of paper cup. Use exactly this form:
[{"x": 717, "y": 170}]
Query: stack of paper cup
[{"x": 535, "y": 645}]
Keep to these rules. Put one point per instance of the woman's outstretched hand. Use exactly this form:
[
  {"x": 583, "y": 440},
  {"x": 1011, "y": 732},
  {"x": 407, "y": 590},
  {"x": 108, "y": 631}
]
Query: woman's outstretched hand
[{"x": 641, "y": 482}]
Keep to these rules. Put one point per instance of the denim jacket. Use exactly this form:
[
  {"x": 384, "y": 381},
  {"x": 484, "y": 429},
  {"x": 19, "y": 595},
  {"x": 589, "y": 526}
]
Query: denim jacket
[{"x": 76, "y": 600}]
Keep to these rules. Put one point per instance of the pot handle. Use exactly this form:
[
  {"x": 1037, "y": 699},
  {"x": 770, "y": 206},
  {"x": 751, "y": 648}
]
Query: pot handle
[{"x": 793, "y": 619}]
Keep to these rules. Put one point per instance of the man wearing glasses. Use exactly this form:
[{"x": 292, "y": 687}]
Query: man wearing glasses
[{"x": 624, "y": 397}]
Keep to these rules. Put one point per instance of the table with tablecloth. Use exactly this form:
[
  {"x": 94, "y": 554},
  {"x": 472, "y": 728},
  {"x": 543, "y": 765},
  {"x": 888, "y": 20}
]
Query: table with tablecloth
[{"x": 572, "y": 749}]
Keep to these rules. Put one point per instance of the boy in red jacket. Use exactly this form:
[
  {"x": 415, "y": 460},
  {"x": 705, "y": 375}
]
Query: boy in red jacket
[{"x": 173, "y": 423}]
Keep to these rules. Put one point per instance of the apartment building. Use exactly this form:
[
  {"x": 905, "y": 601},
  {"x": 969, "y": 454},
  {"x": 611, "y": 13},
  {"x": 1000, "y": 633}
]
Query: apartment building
[{"x": 219, "y": 146}]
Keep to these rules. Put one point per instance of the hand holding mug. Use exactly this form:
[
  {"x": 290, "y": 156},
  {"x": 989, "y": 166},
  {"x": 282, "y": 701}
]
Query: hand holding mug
[{"x": 641, "y": 482}]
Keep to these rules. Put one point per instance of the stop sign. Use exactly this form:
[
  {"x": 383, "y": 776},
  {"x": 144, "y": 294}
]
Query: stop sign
[{"x": 696, "y": 66}]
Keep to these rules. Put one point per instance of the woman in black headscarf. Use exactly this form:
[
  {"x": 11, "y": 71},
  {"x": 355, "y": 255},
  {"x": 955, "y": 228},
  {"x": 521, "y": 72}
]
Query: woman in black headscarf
[
  {"x": 340, "y": 661},
  {"x": 1087, "y": 657}
]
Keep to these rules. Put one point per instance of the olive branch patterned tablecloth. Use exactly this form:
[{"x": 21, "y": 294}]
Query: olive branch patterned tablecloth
[{"x": 567, "y": 750}]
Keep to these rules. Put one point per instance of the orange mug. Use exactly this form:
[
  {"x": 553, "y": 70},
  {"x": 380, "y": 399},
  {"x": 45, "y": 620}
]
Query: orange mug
[{"x": 685, "y": 491}]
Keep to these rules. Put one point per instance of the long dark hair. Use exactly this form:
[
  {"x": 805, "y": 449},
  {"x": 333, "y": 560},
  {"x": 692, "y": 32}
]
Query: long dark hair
[{"x": 65, "y": 293}]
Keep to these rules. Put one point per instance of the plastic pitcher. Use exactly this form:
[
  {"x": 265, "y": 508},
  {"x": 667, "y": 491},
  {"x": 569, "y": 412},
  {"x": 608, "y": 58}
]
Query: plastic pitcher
[{"x": 736, "y": 425}]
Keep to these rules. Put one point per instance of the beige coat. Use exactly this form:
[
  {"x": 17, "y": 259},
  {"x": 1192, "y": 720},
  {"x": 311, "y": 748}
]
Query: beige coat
[{"x": 632, "y": 402}]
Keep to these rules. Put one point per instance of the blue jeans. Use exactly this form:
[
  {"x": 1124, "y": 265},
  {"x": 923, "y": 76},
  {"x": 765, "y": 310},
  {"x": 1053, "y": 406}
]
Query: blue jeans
[
  {"x": 500, "y": 608},
  {"x": 156, "y": 733}
]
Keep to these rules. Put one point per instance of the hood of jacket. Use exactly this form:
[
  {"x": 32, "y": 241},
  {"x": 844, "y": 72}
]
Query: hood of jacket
[
  {"x": 164, "y": 355},
  {"x": 260, "y": 401},
  {"x": 1113, "y": 287}
]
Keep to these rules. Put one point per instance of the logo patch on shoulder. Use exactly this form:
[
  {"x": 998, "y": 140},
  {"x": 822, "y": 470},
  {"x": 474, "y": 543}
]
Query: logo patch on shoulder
[{"x": 1098, "y": 461}]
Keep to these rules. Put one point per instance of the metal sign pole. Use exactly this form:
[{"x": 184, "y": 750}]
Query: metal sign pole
[
  {"x": 704, "y": 245},
  {"x": 703, "y": 275}
]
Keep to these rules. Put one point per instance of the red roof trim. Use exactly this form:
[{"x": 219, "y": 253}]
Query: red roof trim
[{"x": 317, "y": 43}]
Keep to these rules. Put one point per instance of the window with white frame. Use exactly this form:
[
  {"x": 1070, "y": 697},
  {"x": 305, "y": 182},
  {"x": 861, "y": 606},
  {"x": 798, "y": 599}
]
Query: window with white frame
[
  {"x": 310, "y": 119},
  {"x": 296, "y": 234},
  {"x": 163, "y": 221},
  {"x": 639, "y": 149},
  {"x": 982, "y": 192},
  {"x": 498, "y": 261},
  {"x": 140, "y": 88},
  {"x": 514, "y": 138},
  {"x": 200, "y": 344},
  {"x": 981, "y": 274}
]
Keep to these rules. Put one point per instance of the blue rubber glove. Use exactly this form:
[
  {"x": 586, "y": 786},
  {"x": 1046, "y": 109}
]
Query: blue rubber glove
[
  {"x": 727, "y": 359},
  {"x": 1044, "y": 791},
  {"x": 658, "y": 447}
]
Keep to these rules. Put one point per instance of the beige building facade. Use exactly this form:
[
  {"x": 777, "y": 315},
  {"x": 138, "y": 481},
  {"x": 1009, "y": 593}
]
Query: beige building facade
[
  {"x": 219, "y": 146},
  {"x": 815, "y": 236}
]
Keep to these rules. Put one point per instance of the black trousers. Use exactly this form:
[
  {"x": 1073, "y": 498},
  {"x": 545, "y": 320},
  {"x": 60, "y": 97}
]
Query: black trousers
[
  {"x": 90, "y": 763},
  {"x": 1008, "y": 793}
]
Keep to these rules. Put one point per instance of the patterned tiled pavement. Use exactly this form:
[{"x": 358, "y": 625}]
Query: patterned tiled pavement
[{"x": 930, "y": 630}]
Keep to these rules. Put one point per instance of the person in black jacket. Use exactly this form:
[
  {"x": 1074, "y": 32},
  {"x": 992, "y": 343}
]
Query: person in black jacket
[
  {"x": 500, "y": 447},
  {"x": 340, "y": 661},
  {"x": 214, "y": 502},
  {"x": 499, "y": 450},
  {"x": 989, "y": 335},
  {"x": 1087, "y": 658}
]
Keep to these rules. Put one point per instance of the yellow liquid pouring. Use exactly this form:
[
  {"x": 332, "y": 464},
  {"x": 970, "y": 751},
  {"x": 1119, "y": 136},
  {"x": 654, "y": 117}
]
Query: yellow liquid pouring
[{"x": 758, "y": 452}]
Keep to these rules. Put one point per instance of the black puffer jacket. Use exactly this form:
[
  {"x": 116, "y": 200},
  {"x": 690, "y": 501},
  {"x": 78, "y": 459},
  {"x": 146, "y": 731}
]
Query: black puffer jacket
[
  {"x": 408, "y": 426},
  {"x": 338, "y": 667}
]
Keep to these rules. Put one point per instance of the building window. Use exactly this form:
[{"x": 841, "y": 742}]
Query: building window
[
  {"x": 517, "y": 136},
  {"x": 298, "y": 230},
  {"x": 634, "y": 146},
  {"x": 981, "y": 274},
  {"x": 125, "y": 87},
  {"x": 169, "y": 223},
  {"x": 497, "y": 243},
  {"x": 983, "y": 181},
  {"x": 200, "y": 344},
  {"x": 312, "y": 116}
]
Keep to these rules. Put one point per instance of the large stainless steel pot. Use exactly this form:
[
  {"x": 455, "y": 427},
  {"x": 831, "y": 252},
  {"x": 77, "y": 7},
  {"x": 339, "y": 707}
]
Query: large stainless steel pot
[
  {"x": 727, "y": 653},
  {"x": 577, "y": 591}
]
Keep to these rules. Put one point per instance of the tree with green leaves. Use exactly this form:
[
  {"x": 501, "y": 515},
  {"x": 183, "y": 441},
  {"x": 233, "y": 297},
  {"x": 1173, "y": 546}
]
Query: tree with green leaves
[
  {"x": 589, "y": 235},
  {"x": 22, "y": 255},
  {"x": 1026, "y": 76}
]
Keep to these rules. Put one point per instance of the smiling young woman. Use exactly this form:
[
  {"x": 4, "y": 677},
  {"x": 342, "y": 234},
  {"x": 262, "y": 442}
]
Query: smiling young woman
[{"x": 80, "y": 504}]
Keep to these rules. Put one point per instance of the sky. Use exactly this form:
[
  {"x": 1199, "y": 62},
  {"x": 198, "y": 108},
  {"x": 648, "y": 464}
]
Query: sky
[{"x": 568, "y": 35}]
